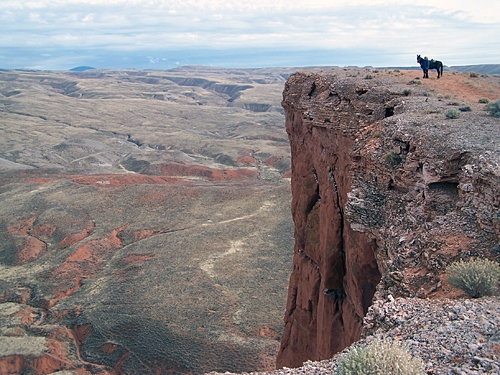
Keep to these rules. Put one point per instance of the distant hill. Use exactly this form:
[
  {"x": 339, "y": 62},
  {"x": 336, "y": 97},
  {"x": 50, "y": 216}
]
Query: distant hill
[
  {"x": 483, "y": 69},
  {"x": 81, "y": 69}
]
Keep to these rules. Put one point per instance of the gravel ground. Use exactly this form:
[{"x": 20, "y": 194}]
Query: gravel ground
[{"x": 453, "y": 337}]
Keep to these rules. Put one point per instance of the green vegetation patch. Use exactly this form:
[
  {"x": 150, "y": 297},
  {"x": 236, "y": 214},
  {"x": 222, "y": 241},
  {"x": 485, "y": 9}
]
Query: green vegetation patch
[
  {"x": 452, "y": 114},
  {"x": 393, "y": 158},
  {"x": 494, "y": 108},
  {"x": 430, "y": 111}
]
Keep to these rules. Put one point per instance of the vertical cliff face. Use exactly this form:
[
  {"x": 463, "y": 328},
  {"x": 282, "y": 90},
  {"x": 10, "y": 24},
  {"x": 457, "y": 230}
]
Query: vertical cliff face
[{"x": 382, "y": 200}]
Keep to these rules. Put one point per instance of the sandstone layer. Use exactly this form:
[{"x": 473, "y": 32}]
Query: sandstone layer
[{"x": 387, "y": 192}]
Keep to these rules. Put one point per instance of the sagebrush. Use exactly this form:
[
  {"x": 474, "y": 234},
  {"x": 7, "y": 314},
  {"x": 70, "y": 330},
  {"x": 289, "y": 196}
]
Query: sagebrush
[
  {"x": 494, "y": 109},
  {"x": 452, "y": 114},
  {"x": 476, "y": 278},
  {"x": 380, "y": 358}
]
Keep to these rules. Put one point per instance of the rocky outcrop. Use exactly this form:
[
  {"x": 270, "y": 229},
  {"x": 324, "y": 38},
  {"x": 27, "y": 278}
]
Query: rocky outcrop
[{"x": 386, "y": 193}]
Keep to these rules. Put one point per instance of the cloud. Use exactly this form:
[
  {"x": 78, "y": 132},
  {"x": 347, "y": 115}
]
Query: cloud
[{"x": 460, "y": 30}]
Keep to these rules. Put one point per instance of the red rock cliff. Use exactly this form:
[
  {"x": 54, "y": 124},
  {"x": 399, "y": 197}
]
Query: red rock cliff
[{"x": 386, "y": 193}]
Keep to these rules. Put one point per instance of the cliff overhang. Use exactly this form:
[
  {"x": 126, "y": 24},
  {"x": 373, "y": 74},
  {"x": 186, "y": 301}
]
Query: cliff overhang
[{"x": 387, "y": 191}]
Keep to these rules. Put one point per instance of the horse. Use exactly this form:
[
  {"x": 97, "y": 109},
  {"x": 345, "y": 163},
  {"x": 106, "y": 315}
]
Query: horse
[{"x": 433, "y": 64}]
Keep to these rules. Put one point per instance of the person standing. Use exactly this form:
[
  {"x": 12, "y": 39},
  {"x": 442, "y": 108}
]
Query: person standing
[{"x": 425, "y": 67}]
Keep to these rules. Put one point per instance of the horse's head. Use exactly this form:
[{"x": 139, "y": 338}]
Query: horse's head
[{"x": 419, "y": 58}]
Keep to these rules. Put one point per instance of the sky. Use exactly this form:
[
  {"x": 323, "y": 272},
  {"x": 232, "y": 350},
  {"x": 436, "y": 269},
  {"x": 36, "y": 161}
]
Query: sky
[{"x": 161, "y": 34}]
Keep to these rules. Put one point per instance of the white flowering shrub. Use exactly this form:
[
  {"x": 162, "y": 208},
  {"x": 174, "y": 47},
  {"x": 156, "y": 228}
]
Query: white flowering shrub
[
  {"x": 380, "y": 358},
  {"x": 476, "y": 278}
]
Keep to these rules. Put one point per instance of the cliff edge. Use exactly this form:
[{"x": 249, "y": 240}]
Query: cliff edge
[{"x": 387, "y": 190}]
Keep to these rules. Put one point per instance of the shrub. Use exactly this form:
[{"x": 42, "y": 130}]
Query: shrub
[
  {"x": 429, "y": 111},
  {"x": 473, "y": 75},
  {"x": 452, "y": 114},
  {"x": 393, "y": 158},
  {"x": 494, "y": 109},
  {"x": 368, "y": 76},
  {"x": 476, "y": 278},
  {"x": 484, "y": 100},
  {"x": 465, "y": 108},
  {"x": 380, "y": 358},
  {"x": 406, "y": 92}
]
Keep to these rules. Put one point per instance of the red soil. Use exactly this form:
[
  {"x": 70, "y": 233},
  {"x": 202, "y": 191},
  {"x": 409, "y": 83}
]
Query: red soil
[
  {"x": 134, "y": 258},
  {"x": 460, "y": 86},
  {"x": 247, "y": 160},
  {"x": 72, "y": 239},
  {"x": 109, "y": 348},
  {"x": 31, "y": 250},
  {"x": 203, "y": 172},
  {"x": 12, "y": 365},
  {"x": 45, "y": 230},
  {"x": 22, "y": 227},
  {"x": 84, "y": 262},
  {"x": 81, "y": 333}
]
